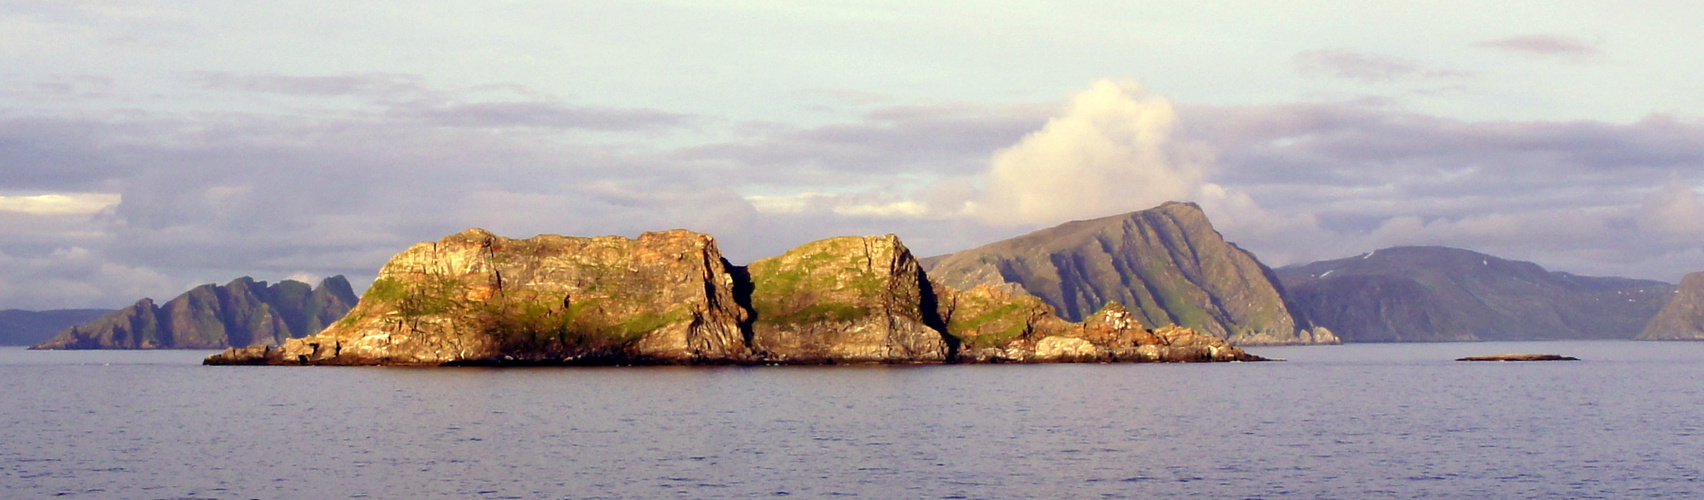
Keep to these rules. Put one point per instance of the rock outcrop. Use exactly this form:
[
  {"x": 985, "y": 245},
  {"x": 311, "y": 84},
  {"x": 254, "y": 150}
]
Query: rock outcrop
[
  {"x": 1682, "y": 318},
  {"x": 849, "y": 299},
  {"x": 20, "y": 327},
  {"x": 670, "y": 297},
  {"x": 1436, "y": 294},
  {"x": 478, "y": 298},
  {"x": 999, "y": 324},
  {"x": 242, "y": 313},
  {"x": 1167, "y": 264}
]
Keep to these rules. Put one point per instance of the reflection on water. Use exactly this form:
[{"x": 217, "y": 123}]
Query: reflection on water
[{"x": 1358, "y": 421}]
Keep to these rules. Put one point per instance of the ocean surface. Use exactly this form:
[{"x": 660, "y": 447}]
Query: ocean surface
[{"x": 1355, "y": 421}]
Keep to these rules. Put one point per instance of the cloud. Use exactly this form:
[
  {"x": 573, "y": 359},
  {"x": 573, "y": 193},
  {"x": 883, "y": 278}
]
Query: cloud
[
  {"x": 64, "y": 88},
  {"x": 1674, "y": 210},
  {"x": 404, "y": 96},
  {"x": 1575, "y": 195},
  {"x": 1365, "y": 68},
  {"x": 1337, "y": 145},
  {"x": 545, "y": 115},
  {"x": 1294, "y": 183},
  {"x": 935, "y": 139},
  {"x": 72, "y": 277},
  {"x": 1111, "y": 151},
  {"x": 1285, "y": 238},
  {"x": 861, "y": 205},
  {"x": 370, "y": 84},
  {"x": 322, "y": 190},
  {"x": 330, "y": 188},
  {"x": 1542, "y": 45},
  {"x": 890, "y": 209},
  {"x": 59, "y": 203}
]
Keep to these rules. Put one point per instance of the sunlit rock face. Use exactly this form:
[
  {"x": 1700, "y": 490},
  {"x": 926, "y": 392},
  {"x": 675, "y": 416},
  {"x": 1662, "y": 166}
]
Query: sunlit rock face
[
  {"x": 1683, "y": 317},
  {"x": 474, "y": 297},
  {"x": 1167, "y": 264},
  {"x": 849, "y": 299},
  {"x": 670, "y": 297},
  {"x": 993, "y": 324}
]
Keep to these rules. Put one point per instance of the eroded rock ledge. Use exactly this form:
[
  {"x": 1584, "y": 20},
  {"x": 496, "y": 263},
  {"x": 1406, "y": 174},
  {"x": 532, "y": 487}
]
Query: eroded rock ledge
[{"x": 474, "y": 298}]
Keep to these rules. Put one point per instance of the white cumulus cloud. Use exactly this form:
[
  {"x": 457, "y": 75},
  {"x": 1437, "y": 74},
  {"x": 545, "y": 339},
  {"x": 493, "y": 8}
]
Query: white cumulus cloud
[{"x": 1111, "y": 152}]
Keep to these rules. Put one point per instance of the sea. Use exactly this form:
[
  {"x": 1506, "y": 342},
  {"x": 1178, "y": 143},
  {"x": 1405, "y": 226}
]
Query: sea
[{"x": 1352, "y": 421}]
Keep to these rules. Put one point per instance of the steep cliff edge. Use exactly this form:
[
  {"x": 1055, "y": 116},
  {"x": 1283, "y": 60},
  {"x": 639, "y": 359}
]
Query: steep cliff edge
[
  {"x": 1167, "y": 265},
  {"x": 241, "y": 313},
  {"x": 1683, "y": 317},
  {"x": 851, "y": 299},
  {"x": 477, "y": 298},
  {"x": 1432, "y": 294},
  {"x": 474, "y": 297}
]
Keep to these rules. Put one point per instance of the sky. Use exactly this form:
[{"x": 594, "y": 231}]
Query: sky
[{"x": 150, "y": 146}]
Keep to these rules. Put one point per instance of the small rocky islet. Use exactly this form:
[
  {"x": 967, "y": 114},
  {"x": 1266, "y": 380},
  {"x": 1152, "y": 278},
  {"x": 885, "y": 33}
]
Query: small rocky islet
[
  {"x": 1520, "y": 357},
  {"x": 475, "y": 298}
]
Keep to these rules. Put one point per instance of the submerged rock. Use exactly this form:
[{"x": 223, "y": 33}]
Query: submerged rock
[{"x": 670, "y": 297}]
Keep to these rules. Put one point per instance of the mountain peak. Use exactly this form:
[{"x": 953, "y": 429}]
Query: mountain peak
[
  {"x": 1682, "y": 318},
  {"x": 242, "y": 313},
  {"x": 1166, "y": 265}
]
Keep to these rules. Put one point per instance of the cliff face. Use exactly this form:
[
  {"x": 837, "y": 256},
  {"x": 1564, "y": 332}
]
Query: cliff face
[
  {"x": 1683, "y": 317},
  {"x": 670, "y": 297},
  {"x": 1166, "y": 264},
  {"x": 1430, "y": 294},
  {"x": 854, "y": 299},
  {"x": 475, "y": 297},
  {"x": 20, "y": 327},
  {"x": 242, "y": 313}
]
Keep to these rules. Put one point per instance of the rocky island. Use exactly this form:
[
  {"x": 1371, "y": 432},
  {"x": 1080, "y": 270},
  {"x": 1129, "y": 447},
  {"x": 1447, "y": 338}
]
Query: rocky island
[
  {"x": 241, "y": 313},
  {"x": 1520, "y": 357},
  {"x": 475, "y": 298}
]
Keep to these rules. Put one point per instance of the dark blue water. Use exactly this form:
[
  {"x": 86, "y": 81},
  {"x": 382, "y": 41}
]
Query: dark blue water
[{"x": 1358, "y": 421}]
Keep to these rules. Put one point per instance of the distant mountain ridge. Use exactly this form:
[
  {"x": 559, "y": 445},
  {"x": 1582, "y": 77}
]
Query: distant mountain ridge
[
  {"x": 20, "y": 327},
  {"x": 1166, "y": 264},
  {"x": 1431, "y": 294},
  {"x": 242, "y": 313}
]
